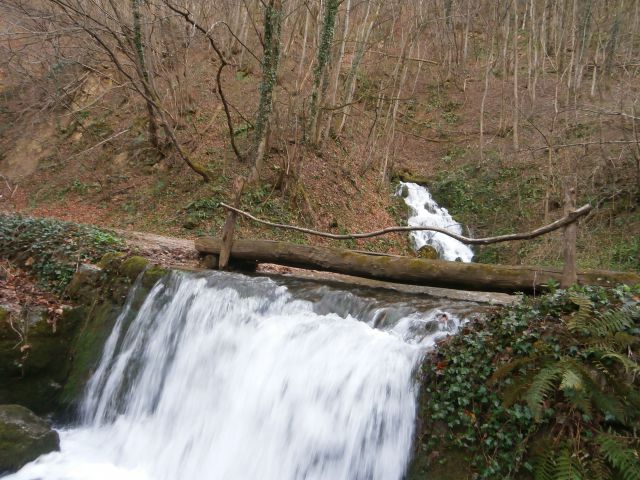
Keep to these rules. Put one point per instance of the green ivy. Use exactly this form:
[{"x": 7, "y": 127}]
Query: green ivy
[
  {"x": 515, "y": 388},
  {"x": 52, "y": 249}
]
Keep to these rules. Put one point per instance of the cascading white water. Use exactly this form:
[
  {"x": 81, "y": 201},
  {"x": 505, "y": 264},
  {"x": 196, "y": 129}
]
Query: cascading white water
[
  {"x": 228, "y": 377},
  {"x": 425, "y": 212}
]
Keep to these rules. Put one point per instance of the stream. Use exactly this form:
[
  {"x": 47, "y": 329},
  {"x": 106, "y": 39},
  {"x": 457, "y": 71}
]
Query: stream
[
  {"x": 225, "y": 376},
  {"x": 232, "y": 377}
]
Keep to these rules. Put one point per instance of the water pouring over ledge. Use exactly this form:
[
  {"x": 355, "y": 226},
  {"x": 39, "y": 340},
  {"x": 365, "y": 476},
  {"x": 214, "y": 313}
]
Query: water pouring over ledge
[
  {"x": 426, "y": 212},
  {"x": 223, "y": 376}
]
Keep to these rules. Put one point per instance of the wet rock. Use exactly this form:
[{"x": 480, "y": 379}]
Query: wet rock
[
  {"x": 190, "y": 223},
  {"x": 133, "y": 266},
  {"x": 429, "y": 252},
  {"x": 210, "y": 261},
  {"x": 34, "y": 360},
  {"x": 23, "y": 437},
  {"x": 84, "y": 283}
]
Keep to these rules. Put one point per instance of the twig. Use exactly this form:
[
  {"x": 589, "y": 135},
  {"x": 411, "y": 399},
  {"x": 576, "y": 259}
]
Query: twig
[
  {"x": 583, "y": 144},
  {"x": 566, "y": 220},
  {"x": 98, "y": 144}
]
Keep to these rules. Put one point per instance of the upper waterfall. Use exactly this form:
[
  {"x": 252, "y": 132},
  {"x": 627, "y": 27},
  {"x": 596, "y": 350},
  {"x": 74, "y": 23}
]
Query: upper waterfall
[
  {"x": 228, "y": 377},
  {"x": 425, "y": 212}
]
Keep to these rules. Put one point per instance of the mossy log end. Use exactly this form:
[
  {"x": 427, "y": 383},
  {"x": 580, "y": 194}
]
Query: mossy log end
[{"x": 415, "y": 271}]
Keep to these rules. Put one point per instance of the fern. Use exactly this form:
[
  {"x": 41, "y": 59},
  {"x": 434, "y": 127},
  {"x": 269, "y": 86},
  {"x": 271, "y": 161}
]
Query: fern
[
  {"x": 571, "y": 380},
  {"x": 629, "y": 365},
  {"x": 623, "y": 459},
  {"x": 567, "y": 467},
  {"x": 581, "y": 320},
  {"x": 542, "y": 386},
  {"x": 545, "y": 465},
  {"x": 597, "y": 468},
  {"x": 609, "y": 405},
  {"x": 587, "y": 321},
  {"x": 615, "y": 320}
]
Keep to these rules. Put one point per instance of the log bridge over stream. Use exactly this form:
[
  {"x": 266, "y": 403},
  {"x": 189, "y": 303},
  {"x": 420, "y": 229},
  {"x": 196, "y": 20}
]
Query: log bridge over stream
[
  {"x": 399, "y": 269},
  {"x": 409, "y": 270}
]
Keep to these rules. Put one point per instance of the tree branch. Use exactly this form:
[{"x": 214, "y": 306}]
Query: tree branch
[{"x": 566, "y": 220}]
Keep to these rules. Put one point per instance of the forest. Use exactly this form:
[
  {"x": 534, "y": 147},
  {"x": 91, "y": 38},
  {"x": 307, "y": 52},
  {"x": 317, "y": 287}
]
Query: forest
[
  {"x": 144, "y": 138},
  {"x": 142, "y": 114}
]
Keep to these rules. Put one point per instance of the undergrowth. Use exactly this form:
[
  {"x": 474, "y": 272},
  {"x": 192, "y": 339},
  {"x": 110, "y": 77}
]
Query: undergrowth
[
  {"x": 546, "y": 390},
  {"x": 53, "y": 249}
]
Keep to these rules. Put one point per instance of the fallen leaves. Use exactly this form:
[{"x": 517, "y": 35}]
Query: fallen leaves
[{"x": 19, "y": 292}]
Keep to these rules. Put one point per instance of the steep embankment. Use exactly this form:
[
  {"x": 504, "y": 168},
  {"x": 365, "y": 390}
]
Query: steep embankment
[{"x": 74, "y": 135}]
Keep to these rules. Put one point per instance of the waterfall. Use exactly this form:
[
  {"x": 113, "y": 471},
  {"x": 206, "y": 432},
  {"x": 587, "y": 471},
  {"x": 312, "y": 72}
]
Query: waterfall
[
  {"x": 425, "y": 212},
  {"x": 228, "y": 377}
]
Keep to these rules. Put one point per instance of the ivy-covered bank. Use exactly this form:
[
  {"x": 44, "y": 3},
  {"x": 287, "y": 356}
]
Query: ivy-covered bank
[
  {"x": 52, "y": 249},
  {"x": 548, "y": 389},
  {"x": 45, "y": 361}
]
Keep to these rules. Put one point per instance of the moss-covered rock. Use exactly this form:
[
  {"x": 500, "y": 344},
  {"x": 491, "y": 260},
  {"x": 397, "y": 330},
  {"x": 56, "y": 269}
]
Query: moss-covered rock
[
  {"x": 44, "y": 365},
  {"x": 86, "y": 348},
  {"x": 111, "y": 261},
  {"x": 429, "y": 252},
  {"x": 34, "y": 360},
  {"x": 133, "y": 266},
  {"x": 152, "y": 275},
  {"x": 23, "y": 437},
  {"x": 411, "y": 177},
  {"x": 85, "y": 284},
  {"x": 98, "y": 317}
]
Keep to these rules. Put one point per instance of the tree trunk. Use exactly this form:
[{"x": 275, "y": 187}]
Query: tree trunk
[
  {"x": 416, "y": 271},
  {"x": 336, "y": 71},
  {"x": 322, "y": 60},
  {"x": 569, "y": 273},
  {"x": 144, "y": 73},
  {"x": 270, "y": 60}
]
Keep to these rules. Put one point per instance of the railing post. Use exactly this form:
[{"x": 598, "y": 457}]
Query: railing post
[
  {"x": 569, "y": 273},
  {"x": 230, "y": 224}
]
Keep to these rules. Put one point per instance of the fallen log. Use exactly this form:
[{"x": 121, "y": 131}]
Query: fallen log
[{"x": 414, "y": 271}]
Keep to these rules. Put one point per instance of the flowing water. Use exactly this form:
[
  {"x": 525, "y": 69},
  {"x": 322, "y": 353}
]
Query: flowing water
[
  {"x": 229, "y": 377},
  {"x": 425, "y": 212}
]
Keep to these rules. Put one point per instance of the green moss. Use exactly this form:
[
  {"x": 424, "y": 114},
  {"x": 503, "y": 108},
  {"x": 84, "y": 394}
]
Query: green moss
[
  {"x": 133, "y": 266},
  {"x": 33, "y": 377},
  {"x": 449, "y": 464},
  {"x": 87, "y": 348},
  {"x": 84, "y": 286},
  {"x": 428, "y": 252},
  {"x": 111, "y": 261},
  {"x": 23, "y": 437},
  {"x": 152, "y": 275}
]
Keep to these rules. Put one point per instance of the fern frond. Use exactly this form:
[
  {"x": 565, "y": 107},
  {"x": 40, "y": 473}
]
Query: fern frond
[
  {"x": 581, "y": 321},
  {"x": 619, "y": 341},
  {"x": 514, "y": 392},
  {"x": 567, "y": 467},
  {"x": 614, "y": 320},
  {"x": 629, "y": 365},
  {"x": 581, "y": 400},
  {"x": 618, "y": 454},
  {"x": 541, "y": 387},
  {"x": 571, "y": 380},
  {"x": 504, "y": 370},
  {"x": 597, "y": 468},
  {"x": 609, "y": 405},
  {"x": 545, "y": 465}
]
